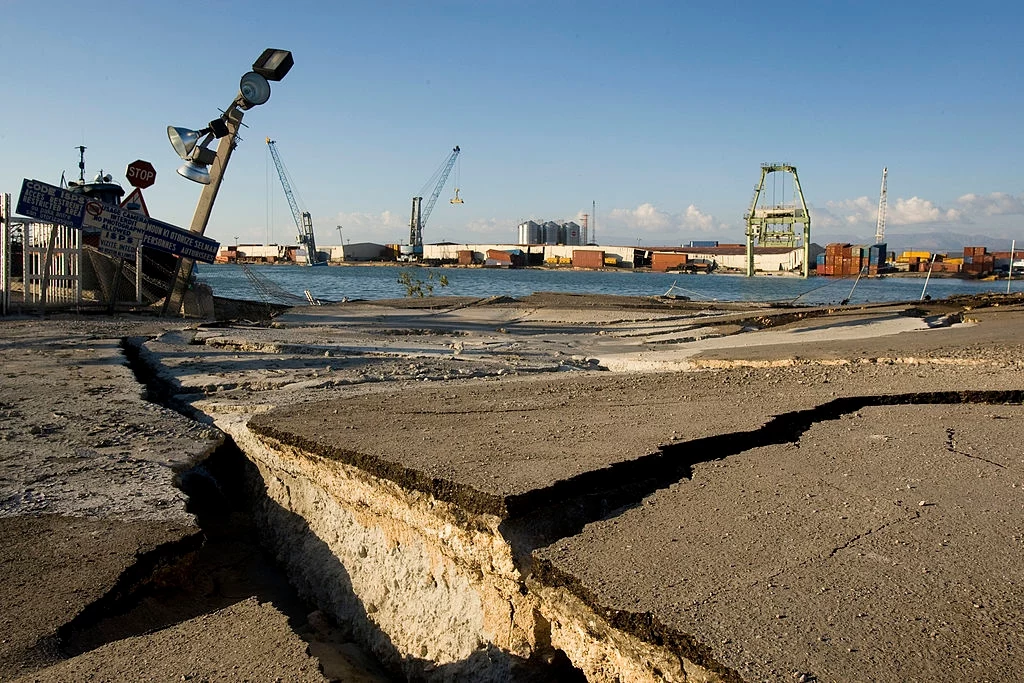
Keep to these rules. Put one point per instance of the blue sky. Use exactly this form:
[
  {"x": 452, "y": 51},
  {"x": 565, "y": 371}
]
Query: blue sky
[{"x": 660, "y": 112}]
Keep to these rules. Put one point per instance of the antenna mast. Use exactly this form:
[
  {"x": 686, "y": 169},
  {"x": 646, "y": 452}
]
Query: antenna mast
[
  {"x": 81, "y": 163},
  {"x": 880, "y": 227},
  {"x": 593, "y": 221}
]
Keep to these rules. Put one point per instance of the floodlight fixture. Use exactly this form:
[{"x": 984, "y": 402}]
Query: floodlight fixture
[
  {"x": 184, "y": 140},
  {"x": 197, "y": 167},
  {"x": 273, "y": 64},
  {"x": 197, "y": 155},
  {"x": 253, "y": 90}
]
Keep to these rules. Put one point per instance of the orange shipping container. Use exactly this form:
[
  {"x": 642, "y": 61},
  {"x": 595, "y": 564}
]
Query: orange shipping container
[
  {"x": 498, "y": 255},
  {"x": 587, "y": 258},
  {"x": 662, "y": 261}
]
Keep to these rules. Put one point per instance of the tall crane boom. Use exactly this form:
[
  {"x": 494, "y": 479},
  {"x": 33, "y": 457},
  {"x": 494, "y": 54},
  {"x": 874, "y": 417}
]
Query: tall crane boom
[
  {"x": 880, "y": 226},
  {"x": 303, "y": 220},
  {"x": 420, "y": 215}
]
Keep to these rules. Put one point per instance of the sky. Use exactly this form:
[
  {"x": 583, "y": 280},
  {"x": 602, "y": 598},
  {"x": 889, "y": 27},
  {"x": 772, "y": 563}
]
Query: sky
[{"x": 657, "y": 114}]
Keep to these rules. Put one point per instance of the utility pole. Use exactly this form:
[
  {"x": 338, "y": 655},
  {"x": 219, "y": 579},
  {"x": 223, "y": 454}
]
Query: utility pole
[{"x": 201, "y": 217}]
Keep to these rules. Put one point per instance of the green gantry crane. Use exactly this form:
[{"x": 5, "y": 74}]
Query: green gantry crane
[{"x": 772, "y": 226}]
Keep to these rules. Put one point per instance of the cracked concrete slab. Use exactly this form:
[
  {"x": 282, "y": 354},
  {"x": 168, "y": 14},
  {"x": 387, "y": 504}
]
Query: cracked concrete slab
[{"x": 868, "y": 549}]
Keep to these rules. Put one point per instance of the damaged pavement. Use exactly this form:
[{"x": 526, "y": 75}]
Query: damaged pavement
[{"x": 658, "y": 492}]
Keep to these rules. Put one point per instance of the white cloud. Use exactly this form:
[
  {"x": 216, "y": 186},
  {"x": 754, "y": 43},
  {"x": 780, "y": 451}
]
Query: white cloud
[
  {"x": 852, "y": 211},
  {"x": 384, "y": 227},
  {"x": 650, "y": 219},
  {"x": 915, "y": 211},
  {"x": 992, "y": 204},
  {"x": 645, "y": 217},
  {"x": 864, "y": 211},
  {"x": 695, "y": 219}
]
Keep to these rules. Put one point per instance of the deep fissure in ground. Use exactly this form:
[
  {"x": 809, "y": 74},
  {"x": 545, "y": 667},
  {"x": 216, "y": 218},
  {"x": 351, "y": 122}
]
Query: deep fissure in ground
[{"x": 540, "y": 518}]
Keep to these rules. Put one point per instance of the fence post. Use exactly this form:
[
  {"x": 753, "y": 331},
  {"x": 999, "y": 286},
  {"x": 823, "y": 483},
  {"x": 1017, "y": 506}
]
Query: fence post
[{"x": 5, "y": 252}]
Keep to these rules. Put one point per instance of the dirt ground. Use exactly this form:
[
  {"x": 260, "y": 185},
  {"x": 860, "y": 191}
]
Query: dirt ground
[{"x": 109, "y": 570}]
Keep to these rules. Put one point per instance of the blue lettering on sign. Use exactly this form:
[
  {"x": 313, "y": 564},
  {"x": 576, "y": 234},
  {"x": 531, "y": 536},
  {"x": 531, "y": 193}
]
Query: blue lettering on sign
[{"x": 52, "y": 204}]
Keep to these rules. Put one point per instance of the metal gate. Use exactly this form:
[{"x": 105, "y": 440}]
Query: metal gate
[{"x": 53, "y": 264}]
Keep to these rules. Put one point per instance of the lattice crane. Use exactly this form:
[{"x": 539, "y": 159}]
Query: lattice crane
[
  {"x": 419, "y": 217},
  {"x": 880, "y": 226},
  {"x": 303, "y": 220}
]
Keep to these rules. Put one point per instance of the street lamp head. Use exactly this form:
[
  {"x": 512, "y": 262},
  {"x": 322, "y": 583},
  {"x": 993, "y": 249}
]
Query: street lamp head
[
  {"x": 273, "y": 64},
  {"x": 196, "y": 172},
  {"x": 196, "y": 154},
  {"x": 253, "y": 90},
  {"x": 183, "y": 140}
]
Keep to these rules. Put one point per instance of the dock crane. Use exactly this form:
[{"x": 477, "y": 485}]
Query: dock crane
[
  {"x": 303, "y": 221},
  {"x": 880, "y": 226},
  {"x": 419, "y": 217}
]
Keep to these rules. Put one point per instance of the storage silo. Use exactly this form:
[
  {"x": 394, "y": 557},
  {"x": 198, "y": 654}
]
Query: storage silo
[
  {"x": 573, "y": 234},
  {"x": 533, "y": 232},
  {"x": 523, "y": 234},
  {"x": 551, "y": 232}
]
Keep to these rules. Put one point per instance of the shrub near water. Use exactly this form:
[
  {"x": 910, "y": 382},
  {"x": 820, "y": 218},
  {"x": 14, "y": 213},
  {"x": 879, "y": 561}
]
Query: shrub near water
[{"x": 417, "y": 286}]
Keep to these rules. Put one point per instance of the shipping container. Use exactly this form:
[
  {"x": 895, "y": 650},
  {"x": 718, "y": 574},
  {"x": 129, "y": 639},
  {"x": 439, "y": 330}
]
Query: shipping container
[
  {"x": 498, "y": 255},
  {"x": 663, "y": 261},
  {"x": 587, "y": 258}
]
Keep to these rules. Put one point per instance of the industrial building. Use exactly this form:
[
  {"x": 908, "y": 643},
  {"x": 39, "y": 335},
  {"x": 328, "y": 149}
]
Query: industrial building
[{"x": 731, "y": 257}]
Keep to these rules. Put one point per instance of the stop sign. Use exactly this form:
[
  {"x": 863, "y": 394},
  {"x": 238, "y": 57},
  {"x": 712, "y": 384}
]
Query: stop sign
[{"x": 140, "y": 174}]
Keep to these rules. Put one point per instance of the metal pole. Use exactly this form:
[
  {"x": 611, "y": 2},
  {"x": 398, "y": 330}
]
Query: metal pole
[
  {"x": 1009, "y": 275},
  {"x": 201, "y": 217},
  {"x": 138, "y": 275},
  {"x": 928, "y": 276},
  {"x": 5, "y": 238}
]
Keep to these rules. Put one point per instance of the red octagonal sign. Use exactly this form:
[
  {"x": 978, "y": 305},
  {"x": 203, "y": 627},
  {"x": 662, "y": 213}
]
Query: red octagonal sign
[{"x": 140, "y": 174}]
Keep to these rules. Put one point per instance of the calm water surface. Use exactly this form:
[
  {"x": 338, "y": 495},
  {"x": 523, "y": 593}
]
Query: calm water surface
[{"x": 381, "y": 282}]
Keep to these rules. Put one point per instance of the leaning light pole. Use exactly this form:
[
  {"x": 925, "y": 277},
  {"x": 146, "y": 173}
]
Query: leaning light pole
[{"x": 203, "y": 165}]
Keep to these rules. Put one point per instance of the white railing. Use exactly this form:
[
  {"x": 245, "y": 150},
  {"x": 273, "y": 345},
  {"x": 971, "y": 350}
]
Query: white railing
[{"x": 52, "y": 264}]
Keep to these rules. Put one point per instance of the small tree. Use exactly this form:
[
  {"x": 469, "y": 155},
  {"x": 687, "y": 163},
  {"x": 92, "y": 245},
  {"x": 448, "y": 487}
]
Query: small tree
[{"x": 417, "y": 286}]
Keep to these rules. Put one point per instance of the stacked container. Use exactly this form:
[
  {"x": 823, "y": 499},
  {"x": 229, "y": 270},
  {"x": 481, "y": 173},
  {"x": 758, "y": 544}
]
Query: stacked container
[{"x": 978, "y": 262}]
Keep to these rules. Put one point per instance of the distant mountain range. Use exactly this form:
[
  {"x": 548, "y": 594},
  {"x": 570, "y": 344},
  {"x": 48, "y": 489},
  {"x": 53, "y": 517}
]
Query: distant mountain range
[{"x": 941, "y": 242}]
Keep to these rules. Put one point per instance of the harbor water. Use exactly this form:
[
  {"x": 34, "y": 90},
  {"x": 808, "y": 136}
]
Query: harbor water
[{"x": 382, "y": 282}]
